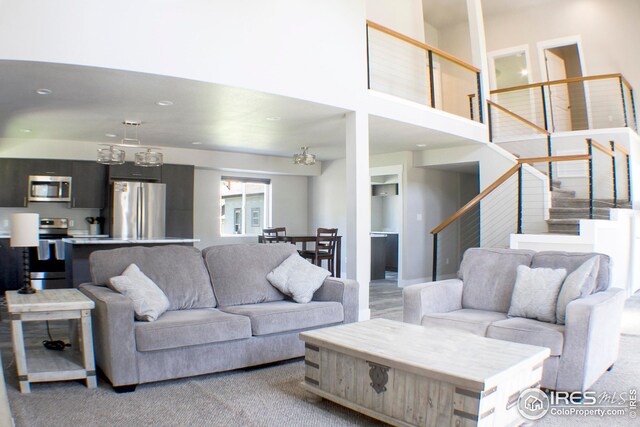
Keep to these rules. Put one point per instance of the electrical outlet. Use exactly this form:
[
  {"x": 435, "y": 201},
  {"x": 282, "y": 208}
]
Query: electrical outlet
[
  {"x": 419, "y": 217},
  {"x": 71, "y": 223},
  {"x": 446, "y": 261}
]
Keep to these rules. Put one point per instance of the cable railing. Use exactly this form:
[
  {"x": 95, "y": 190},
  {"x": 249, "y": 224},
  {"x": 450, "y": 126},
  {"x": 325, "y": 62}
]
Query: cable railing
[
  {"x": 525, "y": 200},
  {"x": 402, "y": 66},
  {"x": 578, "y": 103}
]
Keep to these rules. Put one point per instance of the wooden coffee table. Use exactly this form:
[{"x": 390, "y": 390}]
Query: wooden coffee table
[{"x": 407, "y": 374}]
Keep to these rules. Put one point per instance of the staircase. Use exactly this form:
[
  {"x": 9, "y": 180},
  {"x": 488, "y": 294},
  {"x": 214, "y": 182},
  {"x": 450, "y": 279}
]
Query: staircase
[{"x": 567, "y": 210}]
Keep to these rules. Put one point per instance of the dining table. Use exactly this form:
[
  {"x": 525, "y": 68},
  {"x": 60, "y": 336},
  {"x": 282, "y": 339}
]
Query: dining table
[{"x": 304, "y": 239}]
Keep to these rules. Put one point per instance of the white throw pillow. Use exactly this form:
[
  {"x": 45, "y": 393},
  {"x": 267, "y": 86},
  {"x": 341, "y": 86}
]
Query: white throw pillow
[
  {"x": 536, "y": 292},
  {"x": 149, "y": 302},
  {"x": 578, "y": 284},
  {"x": 298, "y": 278}
]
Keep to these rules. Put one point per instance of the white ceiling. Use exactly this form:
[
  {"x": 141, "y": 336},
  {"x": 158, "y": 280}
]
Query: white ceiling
[
  {"x": 86, "y": 103},
  {"x": 443, "y": 13}
]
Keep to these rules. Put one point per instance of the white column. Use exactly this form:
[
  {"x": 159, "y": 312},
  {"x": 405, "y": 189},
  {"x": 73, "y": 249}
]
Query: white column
[
  {"x": 358, "y": 206},
  {"x": 479, "y": 49}
]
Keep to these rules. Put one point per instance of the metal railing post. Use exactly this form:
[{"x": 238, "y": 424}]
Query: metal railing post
[
  {"x": 431, "y": 82},
  {"x": 434, "y": 269},
  {"x": 633, "y": 109},
  {"x": 544, "y": 110},
  {"x": 624, "y": 103},
  {"x": 471, "y": 106},
  {"x": 613, "y": 168},
  {"x": 550, "y": 165},
  {"x": 520, "y": 200},
  {"x": 479, "y": 97},
  {"x": 590, "y": 152},
  {"x": 368, "y": 65}
]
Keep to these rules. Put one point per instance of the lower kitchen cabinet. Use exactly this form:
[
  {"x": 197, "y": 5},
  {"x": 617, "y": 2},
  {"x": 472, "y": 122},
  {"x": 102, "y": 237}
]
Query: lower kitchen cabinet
[
  {"x": 10, "y": 266},
  {"x": 391, "y": 249}
]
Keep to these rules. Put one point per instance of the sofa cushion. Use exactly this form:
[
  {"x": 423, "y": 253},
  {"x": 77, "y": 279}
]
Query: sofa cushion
[
  {"x": 529, "y": 331},
  {"x": 149, "y": 302},
  {"x": 571, "y": 261},
  {"x": 578, "y": 284},
  {"x": 536, "y": 293},
  {"x": 178, "y": 270},
  {"x": 489, "y": 276},
  {"x": 467, "y": 319},
  {"x": 284, "y": 316},
  {"x": 239, "y": 272},
  {"x": 181, "y": 328},
  {"x": 298, "y": 278}
]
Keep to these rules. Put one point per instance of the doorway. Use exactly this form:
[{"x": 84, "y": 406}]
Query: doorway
[{"x": 567, "y": 102}]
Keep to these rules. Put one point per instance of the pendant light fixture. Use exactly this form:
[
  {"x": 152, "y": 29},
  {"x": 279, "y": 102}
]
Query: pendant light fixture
[
  {"x": 304, "y": 158},
  {"x": 113, "y": 155}
]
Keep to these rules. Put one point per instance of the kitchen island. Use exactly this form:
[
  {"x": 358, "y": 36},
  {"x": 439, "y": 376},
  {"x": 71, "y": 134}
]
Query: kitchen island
[{"x": 77, "y": 251}]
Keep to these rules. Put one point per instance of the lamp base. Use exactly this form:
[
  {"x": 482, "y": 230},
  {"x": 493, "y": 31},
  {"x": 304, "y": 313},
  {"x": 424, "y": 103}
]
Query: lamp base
[{"x": 26, "y": 290}]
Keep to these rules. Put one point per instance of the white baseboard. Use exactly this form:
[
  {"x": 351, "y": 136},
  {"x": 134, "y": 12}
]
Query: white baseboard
[{"x": 364, "y": 314}]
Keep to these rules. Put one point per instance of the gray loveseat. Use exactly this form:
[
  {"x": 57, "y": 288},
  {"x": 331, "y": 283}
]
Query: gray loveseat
[
  {"x": 478, "y": 302},
  {"x": 223, "y": 312}
]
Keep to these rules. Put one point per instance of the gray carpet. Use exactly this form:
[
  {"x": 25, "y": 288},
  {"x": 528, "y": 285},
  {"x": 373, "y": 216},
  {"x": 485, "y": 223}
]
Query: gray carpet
[{"x": 268, "y": 396}]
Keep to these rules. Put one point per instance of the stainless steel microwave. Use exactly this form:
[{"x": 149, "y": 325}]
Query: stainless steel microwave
[{"x": 43, "y": 188}]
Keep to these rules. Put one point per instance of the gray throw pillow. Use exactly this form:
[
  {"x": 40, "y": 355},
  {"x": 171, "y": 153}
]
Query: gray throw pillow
[
  {"x": 536, "y": 292},
  {"x": 578, "y": 284},
  {"x": 298, "y": 278},
  {"x": 149, "y": 302}
]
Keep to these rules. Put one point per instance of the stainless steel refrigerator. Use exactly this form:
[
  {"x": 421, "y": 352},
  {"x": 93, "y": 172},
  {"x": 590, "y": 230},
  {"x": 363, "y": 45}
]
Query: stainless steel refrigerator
[{"x": 138, "y": 210}]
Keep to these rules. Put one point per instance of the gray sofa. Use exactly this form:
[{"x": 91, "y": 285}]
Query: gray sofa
[
  {"x": 478, "y": 302},
  {"x": 223, "y": 312}
]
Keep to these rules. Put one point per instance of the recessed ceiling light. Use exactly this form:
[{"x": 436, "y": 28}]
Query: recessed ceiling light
[
  {"x": 196, "y": 143},
  {"x": 421, "y": 145},
  {"x": 164, "y": 103},
  {"x": 110, "y": 135},
  {"x": 26, "y": 130},
  {"x": 44, "y": 91},
  {"x": 524, "y": 72},
  {"x": 273, "y": 118}
]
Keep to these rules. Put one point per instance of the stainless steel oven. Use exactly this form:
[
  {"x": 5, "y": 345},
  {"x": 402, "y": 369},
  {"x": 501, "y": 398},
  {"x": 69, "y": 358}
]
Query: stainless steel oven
[
  {"x": 43, "y": 188},
  {"x": 47, "y": 261}
]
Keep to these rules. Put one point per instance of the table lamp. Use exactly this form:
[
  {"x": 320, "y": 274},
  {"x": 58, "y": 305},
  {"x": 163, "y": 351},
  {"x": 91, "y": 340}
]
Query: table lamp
[{"x": 25, "y": 228}]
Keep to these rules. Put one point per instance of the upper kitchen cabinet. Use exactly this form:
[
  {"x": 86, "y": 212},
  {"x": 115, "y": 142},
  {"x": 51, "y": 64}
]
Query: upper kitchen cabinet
[
  {"x": 179, "y": 181},
  {"x": 130, "y": 172},
  {"x": 14, "y": 175},
  {"x": 49, "y": 167},
  {"x": 89, "y": 185}
]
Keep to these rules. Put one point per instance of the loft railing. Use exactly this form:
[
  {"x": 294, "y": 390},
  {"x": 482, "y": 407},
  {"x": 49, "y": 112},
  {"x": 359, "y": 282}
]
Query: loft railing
[
  {"x": 578, "y": 103},
  {"x": 520, "y": 201},
  {"x": 402, "y": 66}
]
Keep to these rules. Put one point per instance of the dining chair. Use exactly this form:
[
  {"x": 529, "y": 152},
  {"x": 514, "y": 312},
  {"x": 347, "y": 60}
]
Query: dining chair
[
  {"x": 326, "y": 241},
  {"x": 274, "y": 235}
]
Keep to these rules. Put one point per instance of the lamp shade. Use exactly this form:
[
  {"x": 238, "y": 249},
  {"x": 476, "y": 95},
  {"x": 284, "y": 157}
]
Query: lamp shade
[{"x": 25, "y": 228}]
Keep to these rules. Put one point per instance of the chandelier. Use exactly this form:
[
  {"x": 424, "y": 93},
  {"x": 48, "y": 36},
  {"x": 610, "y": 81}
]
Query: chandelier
[
  {"x": 304, "y": 158},
  {"x": 113, "y": 155}
]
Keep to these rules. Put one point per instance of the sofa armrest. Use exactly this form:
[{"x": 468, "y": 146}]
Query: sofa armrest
[
  {"x": 591, "y": 339},
  {"x": 344, "y": 291},
  {"x": 114, "y": 334},
  {"x": 433, "y": 297}
]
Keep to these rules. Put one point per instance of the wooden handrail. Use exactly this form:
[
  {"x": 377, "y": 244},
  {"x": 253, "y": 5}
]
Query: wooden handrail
[
  {"x": 421, "y": 45},
  {"x": 556, "y": 82},
  {"x": 518, "y": 117},
  {"x": 466, "y": 208},
  {"x": 605, "y": 150},
  {"x": 555, "y": 159},
  {"x": 463, "y": 210},
  {"x": 621, "y": 149}
]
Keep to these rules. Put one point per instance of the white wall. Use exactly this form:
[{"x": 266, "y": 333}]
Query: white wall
[{"x": 302, "y": 48}]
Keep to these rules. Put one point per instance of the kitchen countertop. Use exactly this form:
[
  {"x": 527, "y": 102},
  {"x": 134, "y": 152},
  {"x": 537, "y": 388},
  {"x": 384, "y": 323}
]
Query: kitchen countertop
[{"x": 115, "y": 241}]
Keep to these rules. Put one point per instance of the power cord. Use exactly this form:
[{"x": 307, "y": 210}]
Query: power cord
[{"x": 50, "y": 344}]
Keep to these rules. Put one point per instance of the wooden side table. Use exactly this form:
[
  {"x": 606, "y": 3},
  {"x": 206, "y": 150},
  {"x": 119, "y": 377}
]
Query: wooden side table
[{"x": 40, "y": 364}]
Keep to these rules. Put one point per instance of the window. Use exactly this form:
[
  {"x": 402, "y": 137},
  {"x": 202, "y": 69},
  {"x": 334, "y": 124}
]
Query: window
[{"x": 249, "y": 200}]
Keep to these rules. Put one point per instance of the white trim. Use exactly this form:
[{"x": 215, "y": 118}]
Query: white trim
[{"x": 559, "y": 42}]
